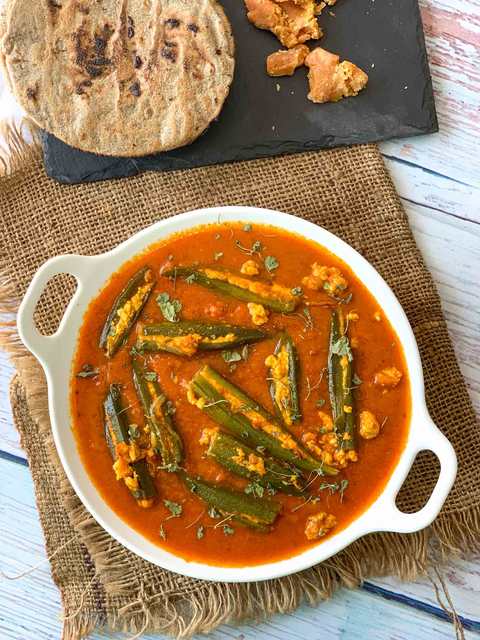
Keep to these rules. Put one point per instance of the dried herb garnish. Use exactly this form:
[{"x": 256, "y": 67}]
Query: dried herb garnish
[
  {"x": 255, "y": 489},
  {"x": 213, "y": 513},
  {"x": 133, "y": 431},
  {"x": 271, "y": 263},
  {"x": 170, "y": 308},
  {"x": 255, "y": 248},
  {"x": 174, "y": 508},
  {"x": 335, "y": 487},
  {"x": 342, "y": 348},
  {"x": 87, "y": 371},
  {"x": 231, "y": 356},
  {"x": 200, "y": 532},
  {"x": 227, "y": 530}
]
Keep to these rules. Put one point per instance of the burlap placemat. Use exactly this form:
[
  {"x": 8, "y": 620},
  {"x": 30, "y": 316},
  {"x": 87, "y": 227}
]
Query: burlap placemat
[{"x": 349, "y": 192}]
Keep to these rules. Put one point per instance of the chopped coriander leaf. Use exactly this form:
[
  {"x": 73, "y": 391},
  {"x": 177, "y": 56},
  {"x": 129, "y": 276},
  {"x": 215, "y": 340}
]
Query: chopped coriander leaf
[
  {"x": 342, "y": 348},
  {"x": 200, "y": 532},
  {"x": 174, "y": 508},
  {"x": 256, "y": 246},
  {"x": 151, "y": 376},
  {"x": 356, "y": 379},
  {"x": 319, "y": 403},
  {"x": 170, "y": 308},
  {"x": 297, "y": 291},
  {"x": 271, "y": 263},
  {"x": 227, "y": 530},
  {"x": 231, "y": 356}
]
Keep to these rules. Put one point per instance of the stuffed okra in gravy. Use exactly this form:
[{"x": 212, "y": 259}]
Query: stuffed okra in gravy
[{"x": 238, "y": 395}]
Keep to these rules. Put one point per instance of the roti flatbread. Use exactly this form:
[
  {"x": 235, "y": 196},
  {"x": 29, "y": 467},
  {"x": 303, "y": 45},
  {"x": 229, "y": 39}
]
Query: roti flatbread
[{"x": 118, "y": 78}]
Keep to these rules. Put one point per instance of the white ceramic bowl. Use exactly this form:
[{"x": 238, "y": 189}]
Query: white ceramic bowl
[{"x": 56, "y": 353}]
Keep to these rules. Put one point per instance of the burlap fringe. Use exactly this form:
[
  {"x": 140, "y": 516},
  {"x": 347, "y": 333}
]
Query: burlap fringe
[
  {"x": 15, "y": 148},
  {"x": 210, "y": 604}
]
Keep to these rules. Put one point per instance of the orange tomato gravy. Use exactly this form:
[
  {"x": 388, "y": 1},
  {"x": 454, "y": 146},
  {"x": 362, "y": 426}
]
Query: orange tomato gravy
[{"x": 378, "y": 347}]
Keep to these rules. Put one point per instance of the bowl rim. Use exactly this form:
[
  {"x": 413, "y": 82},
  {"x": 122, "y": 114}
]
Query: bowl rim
[{"x": 56, "y": 352}]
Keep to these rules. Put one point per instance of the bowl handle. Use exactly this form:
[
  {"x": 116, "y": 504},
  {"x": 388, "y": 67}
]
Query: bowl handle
[
  {"x": 393, "y": 519},
  {"x": 43, "y": 346}
]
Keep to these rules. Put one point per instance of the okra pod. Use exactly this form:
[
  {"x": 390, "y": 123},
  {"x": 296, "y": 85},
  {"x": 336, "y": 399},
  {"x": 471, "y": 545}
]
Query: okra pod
[
  {"x": 246, "y": 419},
  {"x": 243, "y": 461},
  {"x": 125, "y": 311},
  {"x": 340, "y": 372},
  {"x": 135, "y": 474},
  {"x": 257, "y": 513},
  {"x": 186, "y": 338},
  {"x": 163, "y": 438},
  {"x": 233, "y": 285},
  {"x": 283, "y": 375}
]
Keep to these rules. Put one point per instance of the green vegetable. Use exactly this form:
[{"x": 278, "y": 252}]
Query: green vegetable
[
  {"x": 125, "y": 311},
  {"x": 247, "y": 463},
  {"x": 164, "y": 439},
  {"x": 249, "y": 511},
  {"x": 185, "y": 338},
  {"x": 238, "y": 286},
  {"x": 340, "y": 371},
  {"x": 116, "y": 432},
  {"x": 284, "y": 380},
  {"x": 246, "y": 419}
]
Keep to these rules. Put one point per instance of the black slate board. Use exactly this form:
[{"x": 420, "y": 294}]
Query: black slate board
[{"x": 266, "y": 116}]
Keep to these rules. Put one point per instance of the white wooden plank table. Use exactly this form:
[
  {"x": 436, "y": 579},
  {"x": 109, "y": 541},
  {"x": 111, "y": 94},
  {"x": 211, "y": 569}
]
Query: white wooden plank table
[{"x": 438, "y": 179}]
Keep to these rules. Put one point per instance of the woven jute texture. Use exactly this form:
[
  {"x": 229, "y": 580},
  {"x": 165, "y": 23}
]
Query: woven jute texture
[{"x": 349, "y": 192}]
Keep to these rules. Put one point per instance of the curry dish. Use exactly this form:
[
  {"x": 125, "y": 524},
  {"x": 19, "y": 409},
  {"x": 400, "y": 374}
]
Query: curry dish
[{"x": 238, "y": 395}]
